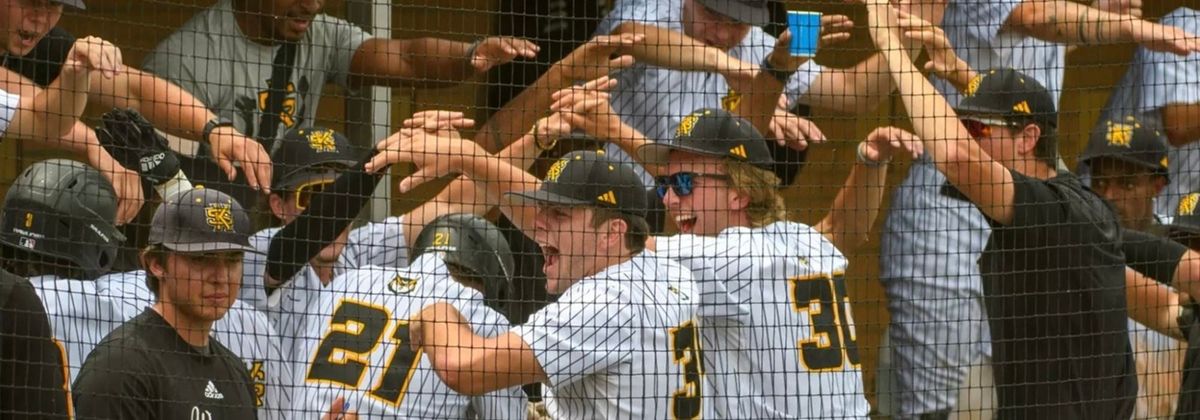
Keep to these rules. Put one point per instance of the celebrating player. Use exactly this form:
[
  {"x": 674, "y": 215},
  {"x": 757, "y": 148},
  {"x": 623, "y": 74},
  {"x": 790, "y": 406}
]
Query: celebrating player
[
  {"x": 1054, "y": 270},
  {"x": 455, "y": 259},
  {"x": 615, "y": 297}
]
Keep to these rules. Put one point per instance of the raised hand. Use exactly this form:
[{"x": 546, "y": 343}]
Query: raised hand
[
  {"x": 593, "y": 59},
  {"x": 943, "y": 61},
  {"x": 230, "y": 146},
  {"x": 793, "y": 131},
  {"x": 883, "y": 142},
  {"x": 93, "y": 53},
  {"x": 499, "y": 50},
  {"x": 1165, "y": 38}
]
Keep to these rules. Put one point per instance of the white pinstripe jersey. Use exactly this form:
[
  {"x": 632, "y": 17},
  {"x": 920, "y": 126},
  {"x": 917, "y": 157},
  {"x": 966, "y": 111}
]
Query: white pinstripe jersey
[
  {"x": 622, "y": 344},
  {"x": 243, "y": 330},
  {"x": 380, "y": 244},
  {"x": 81, "y": 314},
  {"x": 357, "y": 346},
  {"x": 779, "y": 338}
]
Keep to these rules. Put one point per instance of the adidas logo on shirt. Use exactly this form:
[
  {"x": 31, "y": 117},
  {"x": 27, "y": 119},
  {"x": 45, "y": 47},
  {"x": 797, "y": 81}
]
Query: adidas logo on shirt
[{"x": 211, "y": 392}]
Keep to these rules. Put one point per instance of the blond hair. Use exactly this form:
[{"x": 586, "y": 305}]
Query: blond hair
[{"x": 762, "y": 186}]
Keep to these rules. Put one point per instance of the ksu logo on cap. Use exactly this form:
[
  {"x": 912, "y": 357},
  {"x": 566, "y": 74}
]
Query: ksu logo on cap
[
  {"x": 321, "y": 141},
  {"x": 1119, "y": 134},
  {"x": 1187, "y": 205},
  {"x": 219, "y": 216},
  {"x": 688, "y": 124},
  {"x": 556, "y": 170}
]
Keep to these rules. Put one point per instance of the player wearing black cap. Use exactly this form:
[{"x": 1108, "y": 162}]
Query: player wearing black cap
[
  {"x": 163, "y": 363},
  {"x": 1127, "y": 162},
  {"x": 1054, "y": 270},
  {"x": 588, "y": 217},
  {"x": 456, "y": 259}
]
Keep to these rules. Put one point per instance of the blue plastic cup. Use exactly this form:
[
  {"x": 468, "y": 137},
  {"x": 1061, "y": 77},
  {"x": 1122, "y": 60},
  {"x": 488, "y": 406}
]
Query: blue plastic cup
[{"x": 806, "y": 32}]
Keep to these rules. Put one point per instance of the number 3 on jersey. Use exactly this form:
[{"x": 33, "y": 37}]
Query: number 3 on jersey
[
  {"x": 833, "y": 341},
  {"x": 345, "y": 352},
  {"x": 685, "y": 352}
]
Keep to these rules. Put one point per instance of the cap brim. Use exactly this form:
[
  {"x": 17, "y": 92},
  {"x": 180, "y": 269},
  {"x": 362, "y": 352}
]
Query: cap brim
[
  {"x": 301, "y": 179},
  {"x": 750, "y": 15},
  {"x": 543, "y": 197},
  {"x": 78, "y": 4},
  {"x": 1086, "y": 159},
  {"x": 965, "y": 110},
  {"x": 659, "y": 153},
  {"x": 210, "y": 247}
]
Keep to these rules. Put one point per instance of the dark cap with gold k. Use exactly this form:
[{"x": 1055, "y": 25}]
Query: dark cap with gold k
[{"x": 589, "y": 179}]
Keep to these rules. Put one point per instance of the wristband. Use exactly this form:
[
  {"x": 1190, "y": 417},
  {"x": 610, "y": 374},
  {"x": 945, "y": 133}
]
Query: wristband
[
  {"x": 178, "y": 183},
  {"x": 781, "y": 75},
  {"x": 212, "y": 125},
  {"x": 471, "y": 50},
  {"x": 862, "y": 158}
]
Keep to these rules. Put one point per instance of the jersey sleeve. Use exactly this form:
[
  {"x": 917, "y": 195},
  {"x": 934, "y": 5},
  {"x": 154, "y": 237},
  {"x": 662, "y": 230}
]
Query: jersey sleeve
[
  {"x": 112, "y": 386},
  {"x": 723, "y": 292},
  {"x": 33, "y": 382},
  {"x": 9, "y": 103},
  {"x": 377, "y": 244},
  {"x": 503, "y": 404},
  {"x": 1034, "y": 202},
  {"x": 665, "y": 13},
  {"x": 981, "y": 19},
  {"x": 342, "y": 39},
  {"x": 589, "y": 329},
  {"x": 1167, "y": 78},
  {"x": 1153, "y": 256}
]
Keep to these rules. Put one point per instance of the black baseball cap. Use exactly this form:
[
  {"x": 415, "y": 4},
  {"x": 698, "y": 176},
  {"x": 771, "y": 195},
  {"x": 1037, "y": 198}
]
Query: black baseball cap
[
  {"x": 589, "y": 179},
  {"x": 201, "y": 220},
  {"x": 1127, "y": 139},
  {"x": 310, "y": 154},
  {"x": 78, "y": 4},
  {"x": 750, "y": 12},
  {"x": 1008, "y": 94},
  {"x": 714, "y": 132}
]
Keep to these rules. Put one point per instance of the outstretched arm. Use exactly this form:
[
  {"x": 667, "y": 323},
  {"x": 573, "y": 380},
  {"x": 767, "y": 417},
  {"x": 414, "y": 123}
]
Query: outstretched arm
[
  {"x": 468, "y": 363},
  {"x": 987, "y": 183},
  {"x": 853, "y": 211},
  {"x": 431, "y": 62},
  {"x": 1071, "y": 23}
]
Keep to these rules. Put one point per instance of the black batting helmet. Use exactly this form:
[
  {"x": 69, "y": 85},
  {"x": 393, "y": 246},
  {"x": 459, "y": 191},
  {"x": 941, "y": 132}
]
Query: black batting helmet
[
  {"x": 66, "y": 210},
  {"x": 474, "y": 244}
]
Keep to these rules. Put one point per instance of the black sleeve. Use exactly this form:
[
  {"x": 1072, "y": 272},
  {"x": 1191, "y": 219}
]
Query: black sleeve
[
  {"x": 112, "y": 386},
  {"x": 43, "y": 64},
  {"x": 329, "y": 213},
  {"x": 1034, "y": 202},
  {"x": 1155, "y": 257},
  {"x": 33, "y": 382}
]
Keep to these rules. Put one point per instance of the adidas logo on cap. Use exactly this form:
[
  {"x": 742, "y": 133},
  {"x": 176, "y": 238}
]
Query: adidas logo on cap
[{"x": 212, "y": 393}]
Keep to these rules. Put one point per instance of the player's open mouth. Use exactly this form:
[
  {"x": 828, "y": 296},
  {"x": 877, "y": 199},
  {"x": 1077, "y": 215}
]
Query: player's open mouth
[
  {"x": 686, "y": 223},
  {"x": 28, "y": 39},
  {"x": 550, "y": 254}
]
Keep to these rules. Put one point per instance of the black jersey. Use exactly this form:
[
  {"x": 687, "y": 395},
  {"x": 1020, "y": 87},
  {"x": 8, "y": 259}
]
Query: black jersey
[
  {"x": 33, "y": 376},
  {"x": 144, "y": 370}
]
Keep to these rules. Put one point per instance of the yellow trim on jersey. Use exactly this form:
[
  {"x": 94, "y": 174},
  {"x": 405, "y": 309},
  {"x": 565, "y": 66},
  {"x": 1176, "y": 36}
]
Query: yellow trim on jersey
[{"x": 363, "y": 357}]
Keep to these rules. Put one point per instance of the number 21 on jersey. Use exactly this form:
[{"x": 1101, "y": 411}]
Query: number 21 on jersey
[
  {"x": 832, "y": 342},
  {"x": 345, "y": 351}
]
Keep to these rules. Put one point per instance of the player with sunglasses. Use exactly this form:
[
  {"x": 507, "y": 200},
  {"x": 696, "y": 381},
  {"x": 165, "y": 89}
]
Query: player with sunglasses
[{"x": 754, "y": 267}]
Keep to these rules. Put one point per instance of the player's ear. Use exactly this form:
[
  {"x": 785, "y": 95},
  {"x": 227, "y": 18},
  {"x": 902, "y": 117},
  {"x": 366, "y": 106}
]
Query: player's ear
[
  {"x": 737, "y": 200},
  {"x": 277, "y": 204},
  {"x": 1028, "y": 138},
  {"x": 615, "y": 234},
  {"x": 152, "y": 263}
]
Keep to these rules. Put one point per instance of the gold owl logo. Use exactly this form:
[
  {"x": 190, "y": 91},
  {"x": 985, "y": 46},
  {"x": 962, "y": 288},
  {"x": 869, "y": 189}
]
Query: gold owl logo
[
  {"x": 1119, "y": 134},
  {"x": 1187, "y": 205},
  {"x": 321, "y": 141},
  {"x": 556, "y": 170},
  {"x": 219, "y": 217},
  {"x": 402, "y": 285},
  {"x": 686, "y": 126},
  {"x": 258, "y": 374},
  {"x": 731, "y": 100}
]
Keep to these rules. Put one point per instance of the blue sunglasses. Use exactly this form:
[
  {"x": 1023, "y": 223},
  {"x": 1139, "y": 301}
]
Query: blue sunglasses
[{"x": 683, "y": 183}]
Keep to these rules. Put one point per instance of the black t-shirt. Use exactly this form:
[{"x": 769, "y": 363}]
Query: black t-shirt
[
  {"x": 33, "y": 383},
  {"x": 1189, "y": 389},
  {"x": 144, "y": 370},
  {"x": 45, "y": 61},
  {"x": 1054, "y": 288}
]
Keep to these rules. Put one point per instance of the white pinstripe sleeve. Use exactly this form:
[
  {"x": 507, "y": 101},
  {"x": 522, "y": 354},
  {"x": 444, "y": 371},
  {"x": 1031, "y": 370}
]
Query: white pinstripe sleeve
[
  {"x": 380, "y": 244},
  {"x": 9, "y": 102}
]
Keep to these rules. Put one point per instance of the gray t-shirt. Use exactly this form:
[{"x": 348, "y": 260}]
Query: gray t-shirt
[
  {"x": 211, "y": 58},
  {"x": 1155, "y": 80}
]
